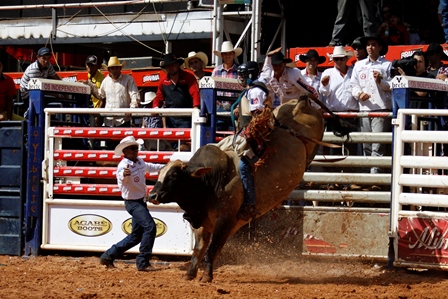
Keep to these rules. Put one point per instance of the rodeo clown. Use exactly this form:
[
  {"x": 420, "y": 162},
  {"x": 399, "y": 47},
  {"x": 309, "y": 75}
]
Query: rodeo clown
[{"x": 254, "y": 115}]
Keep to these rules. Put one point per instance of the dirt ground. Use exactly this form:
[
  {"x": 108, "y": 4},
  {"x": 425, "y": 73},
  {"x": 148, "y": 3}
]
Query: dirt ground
[{"x": 64, "y": 275}]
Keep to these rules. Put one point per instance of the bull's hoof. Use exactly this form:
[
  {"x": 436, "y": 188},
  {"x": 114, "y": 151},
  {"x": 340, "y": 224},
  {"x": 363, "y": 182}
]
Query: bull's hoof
[
  {"x": 206, "y": 278},
  {"x": 189, "y": 277}
]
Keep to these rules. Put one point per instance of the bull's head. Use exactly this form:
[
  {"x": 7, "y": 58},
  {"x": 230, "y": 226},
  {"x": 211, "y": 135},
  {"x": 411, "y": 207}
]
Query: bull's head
[{"x": 176, "y": 182}]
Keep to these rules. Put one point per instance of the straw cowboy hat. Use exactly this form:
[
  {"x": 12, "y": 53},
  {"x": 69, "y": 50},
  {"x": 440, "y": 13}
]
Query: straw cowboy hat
[
  {"x": 124, "y": 143},
  {"x": 312, "y": 54},
  {"x": 339, "y": 51},
  {"x": 228, "y": 47},
  {"x": 113, "y": 61},
  {"x": 199, "y": 55},
  {"x": 149, "y": 97}
]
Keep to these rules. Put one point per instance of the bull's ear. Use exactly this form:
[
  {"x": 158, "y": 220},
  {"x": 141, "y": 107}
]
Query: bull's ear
[{"x": 198, "y": 172}]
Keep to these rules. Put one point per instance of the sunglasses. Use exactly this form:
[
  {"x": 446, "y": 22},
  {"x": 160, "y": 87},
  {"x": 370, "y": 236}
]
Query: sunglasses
[
  {"x": 132, "y": 148},
  {"x": 338, "y": 58}
]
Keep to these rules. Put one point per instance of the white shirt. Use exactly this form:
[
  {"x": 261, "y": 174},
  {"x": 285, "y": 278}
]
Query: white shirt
[
  {"x": 120, "y": 93},
  {"x": 338, "y": 92},
  {"x": 291, "y": 85},
  {"x": 315, "y": 81},
  {"x": 134, "y": 186},
  {"x": 362, "y": 80}
]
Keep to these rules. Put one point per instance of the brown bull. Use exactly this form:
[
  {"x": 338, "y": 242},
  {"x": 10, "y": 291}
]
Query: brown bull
[{"x": 208, "y": 188}]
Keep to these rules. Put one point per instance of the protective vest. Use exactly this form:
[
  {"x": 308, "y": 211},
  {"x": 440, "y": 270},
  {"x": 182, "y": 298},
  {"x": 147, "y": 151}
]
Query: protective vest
[{"x": 244, "y": 108}]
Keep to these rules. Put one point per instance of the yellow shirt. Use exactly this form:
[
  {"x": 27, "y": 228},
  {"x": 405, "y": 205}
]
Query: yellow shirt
[{"x": 97, "y": 79}]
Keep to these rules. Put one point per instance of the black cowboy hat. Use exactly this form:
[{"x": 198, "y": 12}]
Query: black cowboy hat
[
  {"x": 170, "y": 58},
  {"x": 278, "y": 58},
  {"x": 436, "y": 48},
  {"x": 380, "y": 41},
  {"x": 357, "y": 43},
  {"x": 312, "y": 54}
]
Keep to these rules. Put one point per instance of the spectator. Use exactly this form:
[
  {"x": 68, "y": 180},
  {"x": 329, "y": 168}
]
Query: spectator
[
  {"x": 228, "y": 69},
  {"x": 434, "y": 53},
  {"x": 421, "y": 64},
  {"x": 393, "y": 30},
  {"x": 311, "y": 74},
  {"x": 94, "y": 78},
  {"x": 197, "y": 63},
  {"x": 150, "y": 121},
  {"x": 284, "y": 82},
  {"x": 347, "y": 9},
  {"x": 335, "y": 87},
  {"x": 118, "y": 90},
  {"x": 154, "y": 121},
  {"x": 370, "y": 85},
  {"x": 7, "y": 93},
  {"x": 177, "y": 89},
  {"x": 431, "y": 22},
  {"x": 359, "y": 50},
  {"x": 131, "y": 181},
  {"x": 444, "y": 14},
  {"x": 41, "y": 68}
]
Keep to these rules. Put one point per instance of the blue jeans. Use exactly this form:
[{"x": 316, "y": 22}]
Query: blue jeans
[
  {"x": 178, "y": 122},
  {"x": 143, "y": 232},
  {"x": 248, "y": 181},
  {"x": 444, "y": 7}
]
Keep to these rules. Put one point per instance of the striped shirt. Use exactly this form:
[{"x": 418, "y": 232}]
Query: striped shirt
[{"x": 33, "y": 71}]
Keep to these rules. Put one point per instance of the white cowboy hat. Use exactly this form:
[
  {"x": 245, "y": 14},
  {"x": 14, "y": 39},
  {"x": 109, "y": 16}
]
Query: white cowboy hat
[
  {"x": 228, "y": 47},
  {"x": 149, "y": 96},
  {"x": 124, "y": 143},
  {"x": 339, "y": 51},
  {"x": 113, "y": 61},
  {"x": 199, "y": 55}
]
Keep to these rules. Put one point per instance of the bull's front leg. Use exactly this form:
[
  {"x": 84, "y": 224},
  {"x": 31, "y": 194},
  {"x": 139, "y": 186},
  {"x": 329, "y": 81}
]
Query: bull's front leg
[
  {"x": 202, "y": 240},
  {"x": 222, "y": 232}
]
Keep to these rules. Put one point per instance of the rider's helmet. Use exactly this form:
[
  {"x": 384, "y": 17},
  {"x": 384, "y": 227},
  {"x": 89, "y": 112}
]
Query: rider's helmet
[{"x": 247, "y": 73}]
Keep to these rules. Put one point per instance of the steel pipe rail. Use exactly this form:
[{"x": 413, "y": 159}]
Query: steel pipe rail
[
  {"x": 347, "y": 178},
  {"x": 353, "y": 161},
  {"x": 338, "y": 196}
]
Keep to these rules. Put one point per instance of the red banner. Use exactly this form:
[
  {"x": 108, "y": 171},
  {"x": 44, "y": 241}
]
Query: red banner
[
  {"x": 394, "y": 52},
  {"x": 423, "y": 240}
]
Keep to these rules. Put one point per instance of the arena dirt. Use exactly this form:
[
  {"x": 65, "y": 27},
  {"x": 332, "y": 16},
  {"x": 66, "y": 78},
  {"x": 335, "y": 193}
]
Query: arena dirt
[{"x": 241, "y": 272}]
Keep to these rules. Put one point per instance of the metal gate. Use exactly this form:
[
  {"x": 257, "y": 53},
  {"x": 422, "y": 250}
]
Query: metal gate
[
  {"x": 12, "y": 186},
  {"x": 419, "y": 218}
]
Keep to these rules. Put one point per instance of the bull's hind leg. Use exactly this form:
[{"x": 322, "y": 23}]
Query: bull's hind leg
[
  {"x": 222, "y": 232},
  {"x": 202, "y": 239}
]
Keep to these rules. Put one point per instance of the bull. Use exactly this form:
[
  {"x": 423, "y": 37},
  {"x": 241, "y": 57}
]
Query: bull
[{"x": 208, "y": 188}]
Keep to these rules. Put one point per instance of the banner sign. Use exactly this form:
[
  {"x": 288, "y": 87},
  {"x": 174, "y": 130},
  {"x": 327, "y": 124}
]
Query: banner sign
[
  {"x": 423, "y": 240},
  {"x": 394, "y": 52}
]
